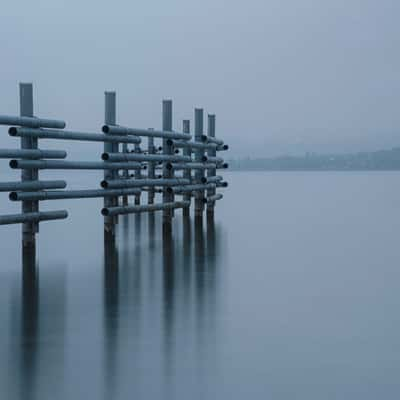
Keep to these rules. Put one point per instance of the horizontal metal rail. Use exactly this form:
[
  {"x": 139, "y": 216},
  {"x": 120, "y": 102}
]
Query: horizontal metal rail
[
  {"x": 70, "y": 194},
  {"x": 111, "y": 211},
  {"x": 211, "y": 179},
  {"x": 192, "y": 145},
  {"x": 209, "y": 139},
  {"x": 127, "y": 183},
  {"x": 190, "y": 188},
  {"x": 32, "y": 154},
  {"x": 222, "y": 184},
  {"x": 32, "y": 185},
  {"x": 32, "y": 217},
  {"x": 216, "y": 160},
  {"x": 193, "y": 165},
  {"x": 44, "y": 164},
  {"x": 214, "y": 198},
  {"x": 151, "y": 189},
  {"x": 31, "y": 122},
  {"x": 121, "y": 130},
  {"x": 143, "y": 157},
  {"x": 68, "y": 135}
]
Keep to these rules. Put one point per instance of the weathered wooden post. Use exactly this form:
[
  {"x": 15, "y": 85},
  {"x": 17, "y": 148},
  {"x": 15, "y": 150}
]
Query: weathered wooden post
[
  {"x": 167, "y": 172},
  {"x": 110, "y": 119},
  {"x": 28, "y": 228},
  {"x": 199, "y": 154},
  {"x": 212, "y": 152},
  {"x": 187, "y": 174}
]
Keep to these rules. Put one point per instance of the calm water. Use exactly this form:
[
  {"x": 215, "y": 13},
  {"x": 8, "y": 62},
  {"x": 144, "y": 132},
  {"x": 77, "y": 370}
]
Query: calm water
[{"x": 293, "y": 293}]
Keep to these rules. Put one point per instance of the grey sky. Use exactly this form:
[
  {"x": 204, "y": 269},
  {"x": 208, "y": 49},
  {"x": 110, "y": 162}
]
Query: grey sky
[{"x": 281, "y": 75}]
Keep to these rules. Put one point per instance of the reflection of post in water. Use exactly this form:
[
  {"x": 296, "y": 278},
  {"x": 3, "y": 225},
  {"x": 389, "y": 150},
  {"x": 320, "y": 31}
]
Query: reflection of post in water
[
  {"x": 211, "y": 256},
  {"x": 125, "y": 222},
  {"x": 29, "y": 329},
  {"x": 205, "y": 251},
  {"x": 168, "y": 301},
  {"x": 138, "y": 226},
  {"x": 187, "y": 259},
  {"x": 28, "y": 257},
  {"x": 40, "y": 311},
  {"x": 199, "y": 256},
  {"x": 152, "y": 229},
  {"x": 111, "y": 317},
  {"x": 151, "y": 252},
  {"x": 133, "y": 270},
  {"x": 212, "y": 277}
]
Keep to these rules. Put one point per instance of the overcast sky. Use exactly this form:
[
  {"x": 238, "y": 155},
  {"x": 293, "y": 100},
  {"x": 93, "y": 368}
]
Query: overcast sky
[{"x": 282, "y": 76}]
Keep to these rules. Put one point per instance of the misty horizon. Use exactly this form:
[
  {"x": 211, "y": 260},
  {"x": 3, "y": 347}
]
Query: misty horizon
[{"x": 281, "y": 77}]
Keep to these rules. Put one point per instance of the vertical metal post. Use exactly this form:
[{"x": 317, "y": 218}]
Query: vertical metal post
[
  {"x": 151, "y": 169},
  {"x": 187, "y": 173},
  {"x": 29, "y": 228},
  {"x": 138, "y": 174},
  {"x": 211, "y": 171},
  {"x": 126, "y": 173},
  {"x": 167, "y": 173},
  {"x": 110, "y": 119},
  {"x": 199, "y": 153}
]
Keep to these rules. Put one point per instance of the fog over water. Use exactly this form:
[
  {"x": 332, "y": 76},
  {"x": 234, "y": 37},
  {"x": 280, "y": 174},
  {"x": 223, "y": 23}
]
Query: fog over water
[
  {"x": 295, "y": 296},
  {"x": 282, "y": 76},
  {"x": 293, "y": 291}
]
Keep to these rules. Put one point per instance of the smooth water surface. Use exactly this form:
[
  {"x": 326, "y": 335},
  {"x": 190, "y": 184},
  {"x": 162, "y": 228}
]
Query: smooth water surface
[{"x": 293, "y": 293}]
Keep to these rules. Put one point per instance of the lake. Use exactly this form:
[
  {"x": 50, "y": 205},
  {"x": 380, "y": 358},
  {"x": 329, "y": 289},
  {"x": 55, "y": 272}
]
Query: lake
[{"x": 292, "y": 293}]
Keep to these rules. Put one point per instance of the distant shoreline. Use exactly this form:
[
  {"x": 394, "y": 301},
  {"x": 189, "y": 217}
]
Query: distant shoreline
[
  {"x": 311, "y": 170},
  {"x": 381, "y": 160}
]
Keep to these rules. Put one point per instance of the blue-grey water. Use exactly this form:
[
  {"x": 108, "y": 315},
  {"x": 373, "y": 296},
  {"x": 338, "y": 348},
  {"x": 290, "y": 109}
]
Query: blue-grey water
[{"x": 293, "y": 293}]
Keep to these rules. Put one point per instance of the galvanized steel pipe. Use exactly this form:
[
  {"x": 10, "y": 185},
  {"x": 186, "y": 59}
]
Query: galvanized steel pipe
[
  {"x": 32, "y": 153},
  {"x": 32, "y": 217},
  {"x": 165, "y": 134},
  {"x": 31, "y": 122},
  {"x": 143, "y": 157},
  {"x": 45, "y": 164},
  {"x": 143, "y": 208},
  {"x": 32, "y": 185},
  {"x": 70, "y": 194},
  {"x": 192, "y": 145},
  {"x": 69, "y": 135},
  {"x": 119, "y": 183}
]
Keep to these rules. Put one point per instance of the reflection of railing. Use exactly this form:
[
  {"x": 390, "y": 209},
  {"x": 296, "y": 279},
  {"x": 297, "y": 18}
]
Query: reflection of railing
[{"x": 168, "y": 170}]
